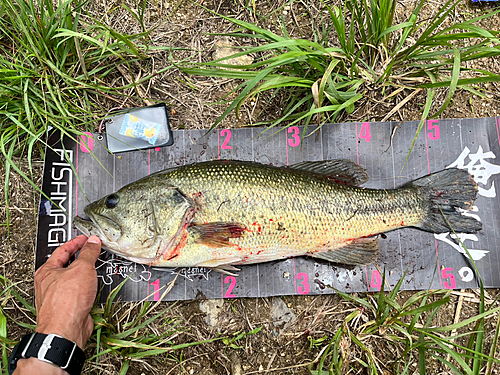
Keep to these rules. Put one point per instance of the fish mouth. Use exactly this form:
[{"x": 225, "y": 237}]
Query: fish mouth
[{"x": 93, "y": 226}]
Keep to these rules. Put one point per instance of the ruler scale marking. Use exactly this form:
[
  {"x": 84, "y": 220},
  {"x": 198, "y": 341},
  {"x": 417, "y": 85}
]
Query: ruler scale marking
[{"x": 332, "y": 142}]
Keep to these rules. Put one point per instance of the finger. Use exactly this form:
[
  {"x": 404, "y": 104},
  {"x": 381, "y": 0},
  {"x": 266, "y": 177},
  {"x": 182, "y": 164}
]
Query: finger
[
  {"x": 90, "y": 251},
  {"x": 61, "y": 256}
]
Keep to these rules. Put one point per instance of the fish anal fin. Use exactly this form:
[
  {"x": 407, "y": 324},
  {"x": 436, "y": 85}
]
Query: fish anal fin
[
  {"x": 361, "y": 251},
  {"x": 217, "y": 234},
  {"x": 341, "y": 171}
]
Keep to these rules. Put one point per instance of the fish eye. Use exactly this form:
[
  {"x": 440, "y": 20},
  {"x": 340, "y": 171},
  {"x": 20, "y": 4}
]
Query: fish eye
[{"x": 112, "y": 201}]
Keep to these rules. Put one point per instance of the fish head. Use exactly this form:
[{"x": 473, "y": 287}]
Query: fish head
[{"x": 137, "y": 221}]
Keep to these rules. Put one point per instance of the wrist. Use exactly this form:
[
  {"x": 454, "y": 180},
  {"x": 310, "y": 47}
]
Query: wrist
[
  {"x": 35, "y": 366},
  {"x": 43, "y": 350},
  {"x": 67, "y": 332}
]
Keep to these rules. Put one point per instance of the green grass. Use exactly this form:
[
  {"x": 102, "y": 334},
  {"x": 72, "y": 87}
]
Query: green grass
[
  {"x": 357, "y": 50},
  {"x": 54, "y": 68},
  {"x": 55, "y": 62},
  {"x": 54, "y": 65},
  {"x": 410, "y": 326},
  {"x": 126, "y": 334},
  {"x": 129, "y": 332},
  {"x": 120, "y": 330}
]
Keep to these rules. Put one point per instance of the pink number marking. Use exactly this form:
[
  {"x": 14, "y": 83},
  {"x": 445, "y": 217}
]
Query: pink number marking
[
  {"x": 231, "y": 280},
  {"x": 86, "y": 142},
  {"x": 365, "y": 132},
  {"x": 226, "y": 141},
  {"x": 376, "y": 282},
  {"x": 436, "y": 134},
  {"x": 452, "y": 284},
  {"x": 156, "y": 284},
  {"x": 304, "y": 288},
  {"x": 295, "y": 140}
]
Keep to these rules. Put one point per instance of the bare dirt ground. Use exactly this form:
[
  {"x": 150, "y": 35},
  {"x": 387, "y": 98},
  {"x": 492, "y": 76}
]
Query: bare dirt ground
[{"x": 281, "y": 346}]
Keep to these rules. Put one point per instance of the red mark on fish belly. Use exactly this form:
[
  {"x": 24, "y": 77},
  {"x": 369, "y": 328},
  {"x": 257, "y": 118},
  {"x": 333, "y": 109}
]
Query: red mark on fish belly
[
  {"x": 171, "y": 254},
  {"x": 175, "y": 251}
]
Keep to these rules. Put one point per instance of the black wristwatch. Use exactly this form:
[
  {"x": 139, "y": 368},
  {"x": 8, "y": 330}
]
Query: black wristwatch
[{"x": 49, "y": 348}]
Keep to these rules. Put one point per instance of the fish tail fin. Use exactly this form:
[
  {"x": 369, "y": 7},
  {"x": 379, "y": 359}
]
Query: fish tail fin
[{"x": 447, "y": 192}]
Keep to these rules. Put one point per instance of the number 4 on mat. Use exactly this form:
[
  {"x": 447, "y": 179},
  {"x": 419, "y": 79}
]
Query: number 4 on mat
[{"x": 365, "y": 132}]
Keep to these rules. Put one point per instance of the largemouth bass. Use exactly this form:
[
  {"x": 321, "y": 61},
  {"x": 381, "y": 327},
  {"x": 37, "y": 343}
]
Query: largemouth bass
[{"x": 220, "y": 214}]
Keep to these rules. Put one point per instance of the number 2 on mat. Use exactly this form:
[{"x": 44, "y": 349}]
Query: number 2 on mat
[
  {"x": 226, "y": 140},
  {"x": 231, "y": 280}
]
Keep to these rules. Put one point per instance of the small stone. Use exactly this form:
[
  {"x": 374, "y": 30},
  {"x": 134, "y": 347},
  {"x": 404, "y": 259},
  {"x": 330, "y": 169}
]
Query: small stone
[
  {"x": 212, "y": 308},
  {"x": 281, "y": 314},
  {"x": 224, "y": 48}
]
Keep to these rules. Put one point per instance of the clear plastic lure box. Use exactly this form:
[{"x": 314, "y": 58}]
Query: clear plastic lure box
[{"x": 138, "y": 129}]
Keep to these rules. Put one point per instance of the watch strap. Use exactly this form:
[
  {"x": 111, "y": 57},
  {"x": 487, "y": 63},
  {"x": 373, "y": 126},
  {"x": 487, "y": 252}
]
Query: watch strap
[{"x": 53, "y": 349}]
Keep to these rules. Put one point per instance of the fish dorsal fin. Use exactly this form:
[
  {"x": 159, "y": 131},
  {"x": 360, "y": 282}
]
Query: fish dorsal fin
[
  {"x": 359, "y": 252},
  {"x": 342, "y": 171},
  {"x": 217, "y": 234}
]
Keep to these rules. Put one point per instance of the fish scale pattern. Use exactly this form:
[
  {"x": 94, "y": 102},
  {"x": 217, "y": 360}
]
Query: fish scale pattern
[
  {"x": 224, "y": 213},
  {"x": 286, "y": 212}
]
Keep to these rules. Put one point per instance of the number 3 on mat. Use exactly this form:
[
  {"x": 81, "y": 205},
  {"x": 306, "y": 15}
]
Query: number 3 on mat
[{"x": 304, "y": 288}]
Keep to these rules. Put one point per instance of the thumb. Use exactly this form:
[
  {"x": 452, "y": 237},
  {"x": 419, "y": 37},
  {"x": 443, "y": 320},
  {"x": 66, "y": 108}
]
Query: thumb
[{"x": 91, "y": 250}]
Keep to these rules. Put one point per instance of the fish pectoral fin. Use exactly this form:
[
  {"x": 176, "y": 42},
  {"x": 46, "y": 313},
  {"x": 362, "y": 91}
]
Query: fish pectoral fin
[
  {"x": 341, "y": 171},
  {"x": 217, "y": 234},
  {"x": 358, "y": 252},
  {"x": 222, "y": 265}
]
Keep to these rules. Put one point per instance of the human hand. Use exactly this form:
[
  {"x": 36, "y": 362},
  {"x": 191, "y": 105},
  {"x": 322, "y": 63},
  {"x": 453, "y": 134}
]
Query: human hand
[{"x": 65, "y": 296}]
